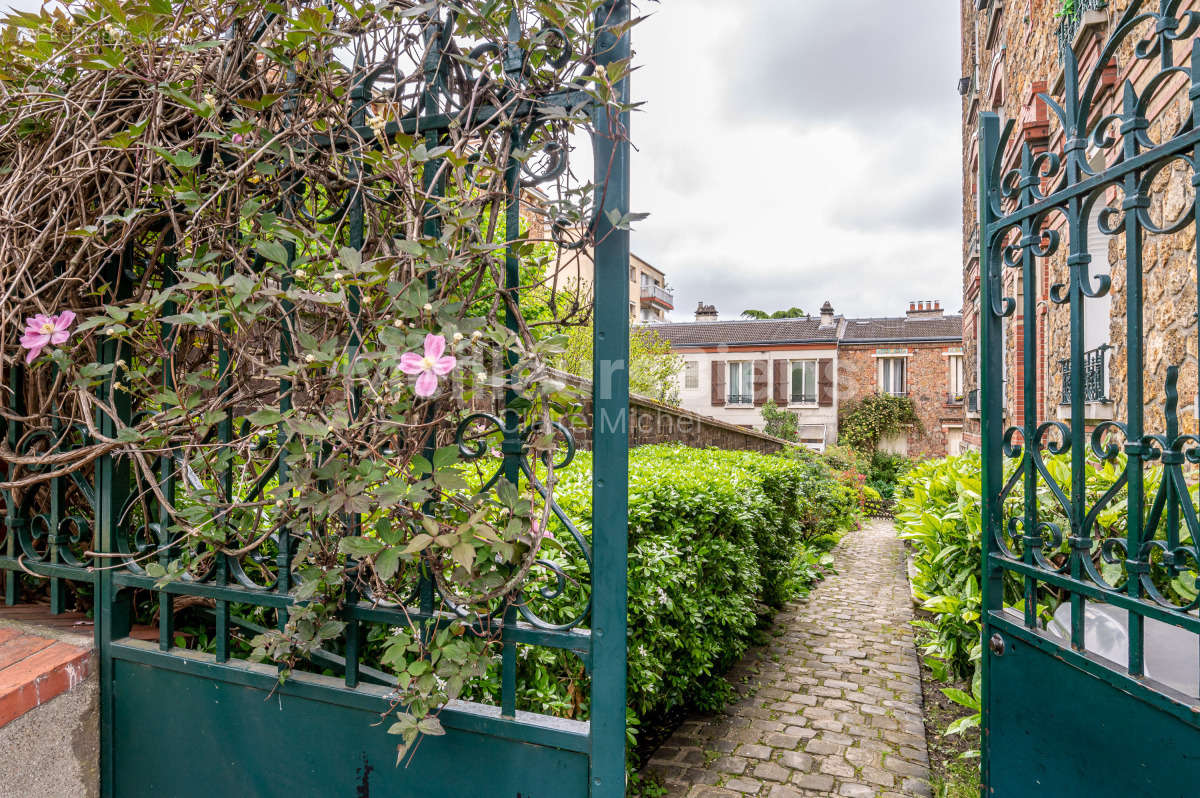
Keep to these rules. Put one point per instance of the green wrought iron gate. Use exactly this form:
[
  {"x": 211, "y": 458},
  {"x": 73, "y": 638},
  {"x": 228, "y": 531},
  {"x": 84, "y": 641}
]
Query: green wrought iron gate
[
  {"x": 1089, "y": 529},
  {"x": 176, "y": 722}
]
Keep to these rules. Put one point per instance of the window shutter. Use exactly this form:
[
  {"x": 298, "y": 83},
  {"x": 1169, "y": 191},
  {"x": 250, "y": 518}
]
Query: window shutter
[
  {"x": 718, "y": 383},
  {"x": 781, "y": 382},
  {"x": 825, "y": 382},
  {"x": 760, "y": 383}
]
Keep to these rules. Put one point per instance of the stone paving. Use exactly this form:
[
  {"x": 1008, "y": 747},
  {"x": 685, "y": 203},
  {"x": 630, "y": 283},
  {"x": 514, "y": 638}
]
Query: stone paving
[{"x": 831, "y": 706}]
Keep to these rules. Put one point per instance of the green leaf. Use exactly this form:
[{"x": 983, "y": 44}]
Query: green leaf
[
  {"x": 387, "y": 563},
  {"x": 359, "y": 547},
  {"x": 273, "y": 251}
]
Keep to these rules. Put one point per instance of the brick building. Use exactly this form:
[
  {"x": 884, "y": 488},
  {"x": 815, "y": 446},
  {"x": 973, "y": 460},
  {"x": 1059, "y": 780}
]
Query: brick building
[
  {"x": 815, "y": 365},
  {"x": 919, "y": 356},
  {"x": 1012, "y": 50}
]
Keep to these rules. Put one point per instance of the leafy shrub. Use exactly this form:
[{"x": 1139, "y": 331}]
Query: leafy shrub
[
  {"x": 713, "y": 535},
  {"x": 884, "y": 472},
  {"x": 864, "y": 423},
  {"x": 780, "y": 422}
]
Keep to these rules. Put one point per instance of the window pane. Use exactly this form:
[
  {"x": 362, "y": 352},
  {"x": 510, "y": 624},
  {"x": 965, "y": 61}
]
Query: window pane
[{"x": 804, "y": 381}]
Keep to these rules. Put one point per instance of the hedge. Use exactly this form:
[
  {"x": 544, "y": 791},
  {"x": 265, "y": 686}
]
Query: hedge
[{"x": 713, "y": 536}]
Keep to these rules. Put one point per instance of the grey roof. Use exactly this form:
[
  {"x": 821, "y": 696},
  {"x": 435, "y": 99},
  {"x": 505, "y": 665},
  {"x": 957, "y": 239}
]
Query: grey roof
[
  {"x": 804, "y": 330},
  {"x": 884, "y": 330}
]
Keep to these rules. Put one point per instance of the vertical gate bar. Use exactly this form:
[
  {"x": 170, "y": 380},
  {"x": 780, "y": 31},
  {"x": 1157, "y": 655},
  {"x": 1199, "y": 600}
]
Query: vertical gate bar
[
  {"x": 1195, "y": 97},
  {"x": 1029, "y": 419},
  {"x": 58, "y": 598},
  {"x": 513, "y": 445},
  {"x": 431, "y": 227},
  {"x": 283, "y": 535},
  {"x": 1133, "y": 379},
  {"x": 990, "y": 409},
  {"x": 166, "y": 602},
  {"x": 610, "y": 419},
  {"x": 358, "y": 116},
  {"x": 12, "y": 519},
  {"x": 113, "y": 613},
  {"x": 1077, "y": 260},
  {"x": 224, "y": 436}
]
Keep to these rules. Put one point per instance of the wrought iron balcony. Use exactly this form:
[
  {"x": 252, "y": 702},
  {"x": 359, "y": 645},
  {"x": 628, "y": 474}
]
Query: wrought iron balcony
[
  {"x": 954, "y": 398},
  {"x": 1069, "y": 25},
  {"x": 740, "y": 399},
  {"x": 1095, "y": 376},
  {"x": 973, "y": 401},
  {"x": 659, "y": 295}
]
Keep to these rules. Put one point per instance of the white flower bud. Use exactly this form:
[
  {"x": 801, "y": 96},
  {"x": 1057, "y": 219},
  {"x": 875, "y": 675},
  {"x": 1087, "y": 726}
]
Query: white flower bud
[
  {"x": 475, "y": 336},
  {"x": 110, "y": 330},
  {"x": 398, "y": 324},
  {"x": 428, "y": 308},
  {"x": 458, "y": 337},
  {"x": 338, "y": 275},
  {"x": 279, "y": 503},
  {"x": 309, "y": 358}
]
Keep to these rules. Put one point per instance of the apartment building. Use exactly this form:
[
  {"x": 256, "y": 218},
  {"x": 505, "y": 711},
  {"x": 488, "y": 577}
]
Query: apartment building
[{"x": 813, "y": 365}]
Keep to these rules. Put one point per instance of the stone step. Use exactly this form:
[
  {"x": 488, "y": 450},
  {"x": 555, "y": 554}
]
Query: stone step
[{"x": 34, "y": 669}]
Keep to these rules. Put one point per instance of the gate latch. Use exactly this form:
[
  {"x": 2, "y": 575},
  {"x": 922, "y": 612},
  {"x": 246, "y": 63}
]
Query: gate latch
[{"x": 997, "y": 644}]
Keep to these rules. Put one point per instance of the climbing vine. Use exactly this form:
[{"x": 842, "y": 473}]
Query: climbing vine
[
  {"x": 863, "y": 424},
  {"x": 236, "y": 267}
]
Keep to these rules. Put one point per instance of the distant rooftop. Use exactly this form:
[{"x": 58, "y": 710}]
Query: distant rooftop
[
  {"x": 882, "y": 330},
  {"x": 804, "y": 330}
]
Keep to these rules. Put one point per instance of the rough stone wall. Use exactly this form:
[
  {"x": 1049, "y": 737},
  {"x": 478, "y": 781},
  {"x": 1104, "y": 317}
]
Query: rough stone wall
[
  {"x": 1011, "y": 50},
  {"x": 928, "y": 384}
]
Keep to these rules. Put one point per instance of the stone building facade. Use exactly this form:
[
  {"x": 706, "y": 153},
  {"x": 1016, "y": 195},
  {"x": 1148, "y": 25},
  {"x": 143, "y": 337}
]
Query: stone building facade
[
  {"x": 929, "y": 345},
  {"x": 1012, "y": 50},
  {"x": 816, "y": 365}
]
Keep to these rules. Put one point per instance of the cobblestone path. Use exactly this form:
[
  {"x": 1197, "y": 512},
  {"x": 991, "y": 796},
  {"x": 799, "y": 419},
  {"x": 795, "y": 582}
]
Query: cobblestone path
[{"x": 831, "y": 706}]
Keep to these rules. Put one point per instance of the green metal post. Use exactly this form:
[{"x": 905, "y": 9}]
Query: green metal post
[
  {"x": 610, "y": 406},
  {"x": 1133, "y": 384},
  {"x": 114, "y": 613},
  {"x": 990, "y": 352}
]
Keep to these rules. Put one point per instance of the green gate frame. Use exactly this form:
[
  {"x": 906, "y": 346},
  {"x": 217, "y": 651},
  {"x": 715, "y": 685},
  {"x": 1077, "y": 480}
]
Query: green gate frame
[
  {"x": 181, "y": 723},
  {"x": 1058, "y": 719}
]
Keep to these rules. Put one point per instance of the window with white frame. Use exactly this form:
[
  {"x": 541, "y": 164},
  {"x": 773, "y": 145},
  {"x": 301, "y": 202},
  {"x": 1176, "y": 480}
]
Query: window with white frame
[
  {"x": 691, "y": 374},
  {"x": 956, "y": 375},
  {"x": 892, "y": 377},
  {"x": 803, "y": 382},
  {"x": 741, "y": 382}
]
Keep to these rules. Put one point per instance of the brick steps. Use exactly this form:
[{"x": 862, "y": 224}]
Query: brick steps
[{"x": 35, "y": 669}]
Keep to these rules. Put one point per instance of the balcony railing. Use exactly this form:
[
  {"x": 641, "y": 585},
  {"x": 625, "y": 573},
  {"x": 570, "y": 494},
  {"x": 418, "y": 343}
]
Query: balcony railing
[
  {"x": 954, "y": 398},
  {"x": 1069, "y": 25},
  {"x": 741, "y": 399},
  {"x": 1095, "y": 376},
  {"x": 656, "y": 293}
]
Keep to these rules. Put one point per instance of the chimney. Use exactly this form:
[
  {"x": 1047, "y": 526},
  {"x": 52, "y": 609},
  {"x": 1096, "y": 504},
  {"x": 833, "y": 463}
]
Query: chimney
[
  {"x": 925, "y": 309},
  {"x": 706, "y": 312},
  {"x": 827, "y": 314}
]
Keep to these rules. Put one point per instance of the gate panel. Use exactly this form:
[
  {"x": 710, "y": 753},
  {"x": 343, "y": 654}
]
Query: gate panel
[
  {"x": 178, "y": 723},
  {"x": 249, "y": 735},
  {"x": 1089, "y": 528}
]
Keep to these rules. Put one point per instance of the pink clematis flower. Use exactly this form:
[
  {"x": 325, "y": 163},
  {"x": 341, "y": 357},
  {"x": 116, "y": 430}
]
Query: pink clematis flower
[
  {"x": 428, "y": 367},
  {"x": 42, "y": 331}
]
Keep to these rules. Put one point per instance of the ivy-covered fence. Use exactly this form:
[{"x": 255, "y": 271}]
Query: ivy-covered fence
[{"x": 256, "y": 259}]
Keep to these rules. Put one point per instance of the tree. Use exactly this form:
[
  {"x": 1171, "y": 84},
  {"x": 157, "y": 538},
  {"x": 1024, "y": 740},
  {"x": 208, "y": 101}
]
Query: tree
[
  {"x": 653, "y": 370},
  {"x": 790, "y": 313},
  {"x": 783, "y": 424}
]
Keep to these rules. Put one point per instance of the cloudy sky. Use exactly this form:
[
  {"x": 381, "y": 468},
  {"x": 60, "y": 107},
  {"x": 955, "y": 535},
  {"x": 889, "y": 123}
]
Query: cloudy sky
[{"x": 793, "y": 151}]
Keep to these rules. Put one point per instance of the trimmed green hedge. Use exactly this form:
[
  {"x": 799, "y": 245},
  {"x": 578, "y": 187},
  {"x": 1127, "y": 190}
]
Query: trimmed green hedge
[{"x": 713, "y": 535}]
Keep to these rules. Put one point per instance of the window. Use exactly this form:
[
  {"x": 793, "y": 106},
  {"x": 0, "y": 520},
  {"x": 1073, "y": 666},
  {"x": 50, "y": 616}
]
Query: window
[
  {"x": 804, "y": 382},
  {"x": 691, "y": 374},
  {"x": 741, "y": 382},
  {"x": 956, "y": 376},
  {"x": 632, "y": 274},
  {"x": 891, "y": 376}
]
